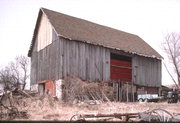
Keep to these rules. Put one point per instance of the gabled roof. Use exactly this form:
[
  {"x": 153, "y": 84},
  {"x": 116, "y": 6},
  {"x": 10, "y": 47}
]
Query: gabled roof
[{"x": 81, "y": 30}]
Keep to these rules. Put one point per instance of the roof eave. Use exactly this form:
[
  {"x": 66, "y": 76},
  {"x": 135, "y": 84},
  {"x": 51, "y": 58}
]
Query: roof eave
[{"x": 153, "y": 56}]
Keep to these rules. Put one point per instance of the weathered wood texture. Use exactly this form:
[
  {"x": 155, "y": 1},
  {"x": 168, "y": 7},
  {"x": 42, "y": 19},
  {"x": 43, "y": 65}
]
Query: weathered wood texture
[
  {"x": 83, "y": 60},
  {"x": 63, "y": 57},
  {"x": 89, "y": 62},
  {"x": 146, "y": 71},
  {"x": 45, "y": 33},
  {"x": 34, "y": 65}
]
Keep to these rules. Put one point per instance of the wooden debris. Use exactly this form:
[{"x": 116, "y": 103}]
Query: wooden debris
[
  {"x": 24, "y": 93},
  {"x": 157, "y": 115},
  {"x": 125, "y": 116}
]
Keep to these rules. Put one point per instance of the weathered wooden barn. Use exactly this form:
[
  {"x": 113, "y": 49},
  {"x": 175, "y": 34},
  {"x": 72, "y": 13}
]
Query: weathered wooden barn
[{"x": 63, "y": 45}]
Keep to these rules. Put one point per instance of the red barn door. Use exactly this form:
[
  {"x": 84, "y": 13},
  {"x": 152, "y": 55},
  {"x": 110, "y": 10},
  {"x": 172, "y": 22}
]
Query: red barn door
[{"x": 121, "y": 68}]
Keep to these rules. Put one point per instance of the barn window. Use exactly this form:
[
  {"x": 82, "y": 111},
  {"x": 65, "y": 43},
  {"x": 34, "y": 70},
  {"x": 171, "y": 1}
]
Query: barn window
[{"x": 121, "y": 68}]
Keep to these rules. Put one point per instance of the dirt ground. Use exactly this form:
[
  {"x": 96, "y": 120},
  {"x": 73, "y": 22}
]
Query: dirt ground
[{"x": 50, "y": 109}]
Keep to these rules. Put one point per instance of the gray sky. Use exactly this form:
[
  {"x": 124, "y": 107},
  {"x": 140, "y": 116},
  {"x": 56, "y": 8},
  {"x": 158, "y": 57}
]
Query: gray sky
[{"x": 150, "y": 19}]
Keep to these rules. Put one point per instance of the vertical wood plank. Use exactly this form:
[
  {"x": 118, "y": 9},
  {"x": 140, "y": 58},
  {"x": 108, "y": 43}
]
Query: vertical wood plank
[
  {"x": 107, "y": 64},
  {"x": 60, "y": 58}
]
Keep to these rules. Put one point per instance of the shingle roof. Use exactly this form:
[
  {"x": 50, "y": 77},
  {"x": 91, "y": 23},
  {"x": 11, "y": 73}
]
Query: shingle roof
[{"x": 78, "y": 29}]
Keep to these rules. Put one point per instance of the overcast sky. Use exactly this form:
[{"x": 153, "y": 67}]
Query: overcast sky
[{"x": 149, "y": 19}]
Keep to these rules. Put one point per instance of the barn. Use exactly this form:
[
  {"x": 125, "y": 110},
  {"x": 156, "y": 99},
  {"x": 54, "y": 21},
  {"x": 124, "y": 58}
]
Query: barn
[{"x": 63, "y": 45}]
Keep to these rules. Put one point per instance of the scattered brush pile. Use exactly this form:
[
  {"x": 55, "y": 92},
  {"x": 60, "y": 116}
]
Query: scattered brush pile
[
  {"x": 75, "y": 90},
  {"x": 12, "y": 106},
  {"x": 21, "y": 105}
]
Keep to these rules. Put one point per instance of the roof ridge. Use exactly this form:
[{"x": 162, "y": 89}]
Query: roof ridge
[
  {"x": 87, "y": 21},
  {"x": 74, "y": 28}
]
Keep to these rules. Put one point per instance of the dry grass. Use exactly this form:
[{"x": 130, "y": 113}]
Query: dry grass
[{"x": 49, "y": 109}]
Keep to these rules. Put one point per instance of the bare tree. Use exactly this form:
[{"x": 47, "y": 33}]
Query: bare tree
[
  {"x": 23, "y": 63},
  {"x": 16, "y": 73},
  {"x": 171, "y": 46},
  {"x": 14, "y": 67},
  {"x": 7, "y": 78}
]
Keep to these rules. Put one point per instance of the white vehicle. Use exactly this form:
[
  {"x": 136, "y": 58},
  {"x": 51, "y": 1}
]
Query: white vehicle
[{"x": 148, "y": 97}]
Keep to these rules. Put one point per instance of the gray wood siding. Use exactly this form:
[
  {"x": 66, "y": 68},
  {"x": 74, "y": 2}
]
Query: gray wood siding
[
  {"x": 34, "y": 59},
  {"x": 63, "y": 57},
  {"x": 146, "y": 71},
  {"x": 89, "y": 62}
]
